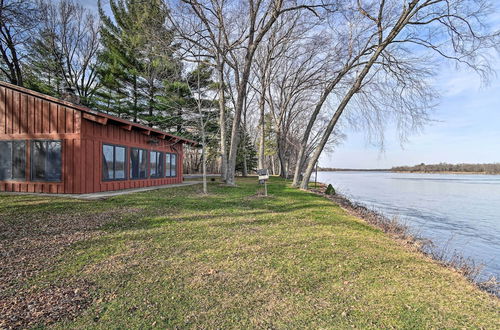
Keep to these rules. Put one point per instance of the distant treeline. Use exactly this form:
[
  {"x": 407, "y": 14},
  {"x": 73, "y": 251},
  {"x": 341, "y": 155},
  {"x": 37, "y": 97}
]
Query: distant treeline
[
  {"x": 332, "y": 169},
  {"x": 444, "y": 167}
]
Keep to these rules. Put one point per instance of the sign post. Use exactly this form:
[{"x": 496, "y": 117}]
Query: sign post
[{"x": 263, "y": 177}]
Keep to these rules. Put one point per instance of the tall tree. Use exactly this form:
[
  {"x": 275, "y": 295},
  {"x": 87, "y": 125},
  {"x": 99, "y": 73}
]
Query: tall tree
[
  {"x": 138, "y": 56},
  {"x": 64, "y": 51},
  {"x": 18, "y": 20},
  {"x": 241, "y": 35},
  {"x": 391, "y": 30}
]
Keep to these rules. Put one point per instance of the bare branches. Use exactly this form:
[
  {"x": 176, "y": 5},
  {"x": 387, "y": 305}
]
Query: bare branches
[
  {"x": 387, "y": 78},
  {"x": 18, "y": 19}
]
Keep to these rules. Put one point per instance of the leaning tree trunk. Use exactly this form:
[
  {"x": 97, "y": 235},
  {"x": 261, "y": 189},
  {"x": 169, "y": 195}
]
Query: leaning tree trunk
[
  {"x": 401, "y": 23},
  {"x": 331, "y": 125},
  {"x": 301, "y": 158},
  {"x": 305, "y": 138}
]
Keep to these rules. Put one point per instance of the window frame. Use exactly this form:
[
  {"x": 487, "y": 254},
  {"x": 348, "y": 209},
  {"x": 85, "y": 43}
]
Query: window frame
[
  {"x": 130, "y": 163},
  {"x": 32, "y": 145},
  {"x": 161, "y": 162},
  {"x": 26, "y": 146},
  {"x": 114, "y": 162},
  {"x": 170, "y": 165}
]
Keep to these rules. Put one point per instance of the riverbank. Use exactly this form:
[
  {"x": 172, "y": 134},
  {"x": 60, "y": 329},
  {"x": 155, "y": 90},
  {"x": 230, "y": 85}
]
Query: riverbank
[
  {"x": 469, "y": 268},
  {"x": 174, "y": 258}
]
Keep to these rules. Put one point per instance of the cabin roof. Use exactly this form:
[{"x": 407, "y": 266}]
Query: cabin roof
[{"x": 99, "y": 117}]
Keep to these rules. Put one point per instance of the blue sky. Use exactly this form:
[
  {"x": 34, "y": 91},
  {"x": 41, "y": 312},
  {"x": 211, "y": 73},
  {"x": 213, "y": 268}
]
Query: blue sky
[{"x": 466, "y": 126}]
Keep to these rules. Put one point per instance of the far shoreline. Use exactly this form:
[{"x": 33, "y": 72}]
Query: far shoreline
[{"x": 409, "y": 172}]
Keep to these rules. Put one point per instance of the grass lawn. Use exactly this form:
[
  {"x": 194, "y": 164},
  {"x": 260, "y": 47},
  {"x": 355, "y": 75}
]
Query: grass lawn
[{"x": 174, "y": 258}]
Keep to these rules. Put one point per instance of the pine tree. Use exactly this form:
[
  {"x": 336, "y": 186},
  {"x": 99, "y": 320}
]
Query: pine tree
[
  {"x": 138, "y": 56},
  {"x": 247, "y": 153},
  {"x": 43, "y": 73}
]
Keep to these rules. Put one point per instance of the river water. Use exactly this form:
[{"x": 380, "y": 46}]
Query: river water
[{"x": 456, "y": 211}]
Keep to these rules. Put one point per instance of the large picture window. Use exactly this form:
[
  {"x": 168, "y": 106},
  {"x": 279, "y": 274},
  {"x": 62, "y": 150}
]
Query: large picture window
[
  {"x": 171, "y": 169},
  {"x": 113, "y": 162},
  {"x": 46, "y": 160},
  {"x": 138, "y": 163},
  {"x": 12, "y": 160},
  {"x": 156, "y": 164}
]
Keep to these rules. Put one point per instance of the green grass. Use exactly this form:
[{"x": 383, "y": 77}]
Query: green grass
[{"x": 176, "y": 258}]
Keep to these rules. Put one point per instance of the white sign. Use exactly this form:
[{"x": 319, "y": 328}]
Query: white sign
[{"x": 263, "y": 174}]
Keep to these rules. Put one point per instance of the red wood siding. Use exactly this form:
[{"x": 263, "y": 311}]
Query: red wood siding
[
  {"x": 94, "y": 135},
  {"x": 27, "y": 115}
]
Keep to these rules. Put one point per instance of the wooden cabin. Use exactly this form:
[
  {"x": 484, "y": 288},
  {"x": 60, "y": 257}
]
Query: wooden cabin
[{"x": 48, "y": 145}]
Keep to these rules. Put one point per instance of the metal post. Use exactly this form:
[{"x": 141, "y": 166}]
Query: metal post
[{"x": 265, "y": 187}]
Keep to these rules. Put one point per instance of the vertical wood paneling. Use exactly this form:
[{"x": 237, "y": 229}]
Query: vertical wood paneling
[
  {"x": 69, "y": 120},
  {"x": 88, "y": 166},
  {"x": 8, "y": 111},
  {"x": 67, "y": 164},
  {"x": 24, "y": 114},
  {"x": 3, "y": 110},
  {"x": 38, "y": 115},
  {"x": 77, "y": 122},
  {"x": 19, "y": 112},
  {"x": 45, "y": 117},
  {"x": 14, "y": 115},
  {"x": 61, "y": 119},
  {"x": 31, "y": 115},
  {"x": 77, "y": 169},
  {"x": 53, "y": 118}
]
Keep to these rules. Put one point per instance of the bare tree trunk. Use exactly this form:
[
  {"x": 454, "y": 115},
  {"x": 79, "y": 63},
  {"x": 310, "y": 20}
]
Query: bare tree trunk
[
  {"x": 204, "y": 162},
  {"x": 307, "y": 133},
  {"x": 281, "y": 155},
  {"x": 222, "y": 121},
  {"x": 235, "y": 136},
  {"x": 331, "y": 125},
  {"x": 272, "y": 165},
  {"x": 262, "y": 130}
]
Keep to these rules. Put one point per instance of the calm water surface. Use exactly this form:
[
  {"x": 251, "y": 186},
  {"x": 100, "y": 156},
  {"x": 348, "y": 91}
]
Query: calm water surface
[{"x": 461, "y": 212}]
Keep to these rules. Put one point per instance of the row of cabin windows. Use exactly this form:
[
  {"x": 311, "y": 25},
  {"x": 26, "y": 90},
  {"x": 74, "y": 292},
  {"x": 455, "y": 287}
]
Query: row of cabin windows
[
  {"x": 114, "y": 158},
  {"x": 45, "y": 160}
]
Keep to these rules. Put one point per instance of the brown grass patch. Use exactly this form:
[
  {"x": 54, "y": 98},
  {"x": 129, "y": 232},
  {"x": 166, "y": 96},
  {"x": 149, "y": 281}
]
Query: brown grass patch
[{"x": 29, "y": 246}]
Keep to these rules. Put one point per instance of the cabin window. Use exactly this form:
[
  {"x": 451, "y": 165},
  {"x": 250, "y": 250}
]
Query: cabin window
[
  {"x": 113, "y": 162},
  {"x": 167, "y": 167},
  {"x": 156, "y": 164},
  {"x": 171, "y": 169},
  {"x": 12, "y": 160},
  {"x": 138, "y": 163},
  {"x": 173, "y": 165},
  {"x": 46, "y": 160}
]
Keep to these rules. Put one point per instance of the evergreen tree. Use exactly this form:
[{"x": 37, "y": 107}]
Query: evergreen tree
[
  {"x": 43, "y": 72},
  {"x": 247, "y": 153},
  {"x": 138, "y": 56}
]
